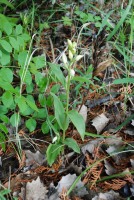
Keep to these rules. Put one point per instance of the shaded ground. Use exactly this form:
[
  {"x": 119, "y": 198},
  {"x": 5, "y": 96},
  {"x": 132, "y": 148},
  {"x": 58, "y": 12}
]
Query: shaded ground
[{"x": 107, "y": 109}]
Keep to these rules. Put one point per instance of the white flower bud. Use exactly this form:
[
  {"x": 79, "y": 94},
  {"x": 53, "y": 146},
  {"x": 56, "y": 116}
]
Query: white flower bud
[
  {"x": 74, "y": 45},
  {"x": 78, "y": 57},
  {"x": 54, "y": 139},
  {"x": 73, "y": 50},
  {"x": 69, "y": 43},
  {"x": 70, "y": 55},
  {"x": 72, "y": 72},
  {"x": 64, "y": 58}
]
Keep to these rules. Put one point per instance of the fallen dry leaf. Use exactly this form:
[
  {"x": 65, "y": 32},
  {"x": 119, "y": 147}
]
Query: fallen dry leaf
[
  {"x": 132, "y": 189},
  {"x": 67, "y": 181},
  {"x": 132, "y": 122},
  {"x": 109, "y": 169},
  {"x": 83, "y": 112},
  {"x": 111, "y": 195},
  {"x": 102, "y": 66},
  {"x": 100, "y": 122},
  {"x": 114, "y": 140},
  {"x": 34, "y": 191},
  {"x": 90, "y": 146},
  {"x": 34, "y": 159}
]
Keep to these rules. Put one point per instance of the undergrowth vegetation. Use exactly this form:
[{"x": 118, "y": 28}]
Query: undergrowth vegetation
[{"x": 51, "y": 61}]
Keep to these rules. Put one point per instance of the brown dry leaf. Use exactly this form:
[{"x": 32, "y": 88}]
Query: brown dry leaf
[
  {"x": 114, "y": 140},
  {"x": 67, "y": 181},
  {"x": 90, "y": 146},
  {"x": 100, "y": 122},
  {"x": 102, "y": 66},
  {"x": 14, "y": 182},
  {"x": 109, "y": 169},
  {"x": 34, "y": 159},
  {"x": 118, "y": 157},
  {"x": 34, "y": 191},
  {"x": 83, "y": 112}
]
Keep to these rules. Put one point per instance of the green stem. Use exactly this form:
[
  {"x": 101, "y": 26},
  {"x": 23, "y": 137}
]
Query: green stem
[
  {"x": 67, "y": 92},
  {"x": 67, "y": 103}
]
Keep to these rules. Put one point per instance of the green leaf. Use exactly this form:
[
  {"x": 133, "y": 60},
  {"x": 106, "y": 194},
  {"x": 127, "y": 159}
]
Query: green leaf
[
  {"x": 123, "y": 81},
  {"x": 119, "y": 24},
  {"x": 45, "y": 128},
  {"x": 90, "y": 17},
  {"x": 104, "y": 21},
  {"x": 58, "y": 73},
  {"x": 55, "y": 89},
  {"x": 39, "y": 61},
  {"x": 60, "y": 113},
  {"x": 3, "y": 128},
  {"x": 3, "y": 110},
  {"x": 21, "y": 101},
  {"x": 29, "y": 88},
  {"x": 31, "y": 124},
  {"x": 31, "y": 104},
  {"x": 20, "y": 41},
  {"x": 2, "y": 141},
  {"x": 26, "y": 37},
  {"x": 41, "y": 114},
  {"x": 6, "y": 46},
  {"x": 15, "y": 119},
  {"x": 22, "y": 58},
  {"x": 78, "y": 122},
  {"x": 53, "y": 151},
  {"x": 71, "y": 143},
  {"x": 95, "y": 135},
  {"x": 42, "y": 100},
  {"x": 7, "y": 3},
  {"x": 6, "y": 74},
  {"x": 4, "y": 118},
  {"x": 5, "y": 59},
  {"x": 28, "y": 78},
  {"x": 7, "y": 86},
  {"x": 82, "y": 79},
  {"x": 67, "y": 21},
  {"x": 18, "y": 29},
  {"x": 38, "y": 78},
  {"x": 14, "y": 43},
  {"x": 0, "y": 53},
  {"x": 7, "y": 28},
  {"x": 28, "y": 111},
  {"x": 7, "y": 99}
]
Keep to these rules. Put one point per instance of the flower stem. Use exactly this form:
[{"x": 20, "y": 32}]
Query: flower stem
[{"x": 67, "y": 102}]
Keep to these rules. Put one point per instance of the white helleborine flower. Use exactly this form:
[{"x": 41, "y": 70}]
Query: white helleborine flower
[
  {"x": 70, "y": 55},
  {"x": 74, "y": 45},
  {"x": 69, "y": 43},
  {"x": 73, "y": 50},
  {"x": 64, "y": 58},
  {"x": 78, "y": 57},
  {"x": 54, "y": 139},
  {"x": 72, "y": 72}
]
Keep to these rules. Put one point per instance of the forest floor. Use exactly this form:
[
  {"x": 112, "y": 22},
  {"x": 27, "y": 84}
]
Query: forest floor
[{"x": 103, "y": 93}]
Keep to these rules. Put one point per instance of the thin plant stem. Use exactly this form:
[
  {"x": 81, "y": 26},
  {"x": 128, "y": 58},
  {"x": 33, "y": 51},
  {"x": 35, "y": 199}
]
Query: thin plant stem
[{"x": 67, "y": 102}]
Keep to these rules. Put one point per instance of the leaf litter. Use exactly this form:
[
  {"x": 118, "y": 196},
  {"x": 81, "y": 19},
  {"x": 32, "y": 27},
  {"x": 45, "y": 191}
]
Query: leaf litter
[{"x": 39, "y": 181}]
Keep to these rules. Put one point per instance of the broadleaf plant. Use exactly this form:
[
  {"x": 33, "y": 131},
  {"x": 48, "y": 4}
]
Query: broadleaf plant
[{"x": 61, "y": 107}]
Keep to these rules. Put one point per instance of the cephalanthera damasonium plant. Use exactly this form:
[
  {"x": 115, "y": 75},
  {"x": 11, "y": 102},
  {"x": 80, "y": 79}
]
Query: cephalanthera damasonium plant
[{"x": 62, "y": 113}]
